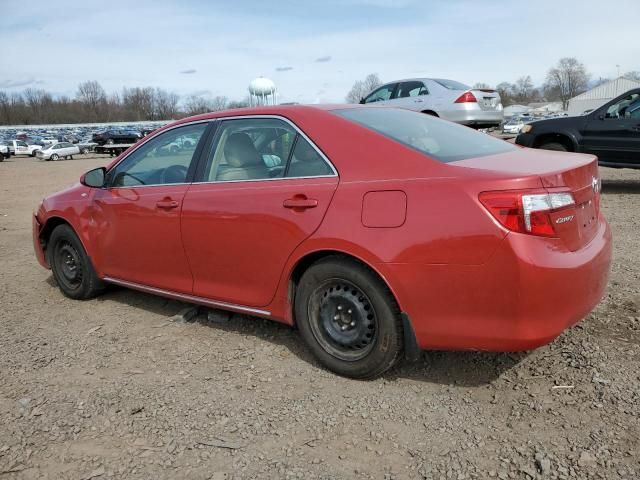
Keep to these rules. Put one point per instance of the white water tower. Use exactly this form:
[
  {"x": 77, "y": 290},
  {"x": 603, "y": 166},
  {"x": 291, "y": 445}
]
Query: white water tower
[{"x": 262, "y": 91}]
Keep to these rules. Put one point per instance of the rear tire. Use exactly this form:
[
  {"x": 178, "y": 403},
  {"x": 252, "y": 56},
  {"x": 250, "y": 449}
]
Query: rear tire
[
  {"x": 348, "y": 318},
  {"x": 555, "y": 146},
  {"x": 71, "y": 266},
  {"x": 85, "y": 151}
]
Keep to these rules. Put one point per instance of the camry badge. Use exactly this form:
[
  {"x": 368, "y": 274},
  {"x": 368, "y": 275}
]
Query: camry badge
[{"x": 566, "y": 219}]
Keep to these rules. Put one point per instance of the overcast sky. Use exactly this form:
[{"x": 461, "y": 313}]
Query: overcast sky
[{"x": 313, "y": 50}]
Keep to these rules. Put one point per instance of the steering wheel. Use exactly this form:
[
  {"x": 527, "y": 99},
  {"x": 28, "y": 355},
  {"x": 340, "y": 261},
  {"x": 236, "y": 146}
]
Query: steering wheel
[{"x": 174, "y": 174}]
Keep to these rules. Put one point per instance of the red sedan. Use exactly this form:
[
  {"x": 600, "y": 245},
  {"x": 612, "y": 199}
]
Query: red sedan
[{"x": 375, "y": 231}]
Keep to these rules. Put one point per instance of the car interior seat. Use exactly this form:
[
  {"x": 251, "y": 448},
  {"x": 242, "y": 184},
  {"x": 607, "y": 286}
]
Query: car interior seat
[{"x": 243, "y": 160}]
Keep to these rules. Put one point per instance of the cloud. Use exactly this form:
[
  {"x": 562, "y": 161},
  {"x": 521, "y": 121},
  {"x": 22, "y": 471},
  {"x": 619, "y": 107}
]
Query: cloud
[
  {"x": 188, "y": 71},
  {"x": 323, "y": 59},
  {"x": 19, "y": 83},
  {"x": 283, "y": 69}
]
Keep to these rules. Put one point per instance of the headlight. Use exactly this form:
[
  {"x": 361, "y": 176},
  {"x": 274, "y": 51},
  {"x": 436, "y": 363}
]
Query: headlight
[{"x": 526, "y": 129}]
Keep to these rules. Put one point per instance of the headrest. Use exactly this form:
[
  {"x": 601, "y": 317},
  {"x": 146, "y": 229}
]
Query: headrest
[{"x": 239, "y": 151}]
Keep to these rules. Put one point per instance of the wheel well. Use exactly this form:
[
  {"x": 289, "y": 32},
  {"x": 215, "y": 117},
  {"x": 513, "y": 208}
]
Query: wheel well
[
  {"x": 555, "y": 137},
  {"x": 430, "y": 112},
  {"x": 305, "y": 262},
  {"x": 45, "y": 233}
]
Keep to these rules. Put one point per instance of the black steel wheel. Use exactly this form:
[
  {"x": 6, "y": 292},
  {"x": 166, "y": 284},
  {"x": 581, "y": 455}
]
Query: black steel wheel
[
  {"x": 348, "y": 318},
  {"x": 68, "y": 262},
  {"x": 71, "y": 266},
  {"x": 342, "y": 319}
]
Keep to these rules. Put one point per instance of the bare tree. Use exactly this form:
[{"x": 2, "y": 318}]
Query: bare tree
[
  {"x": 569, "y": 77},
  {"x": 506, "y": 91},
  {"x": 166, "y": 104},
  {"x": 244, "y": 103},
  {"x": 196, "y": 104},
  {"x": 362, "y": 87},
  {"x": 93, "y": 96},
  {"x": 480, "y": 85},
  {"x": 219, "y": 103},
  {"x": 524, "y": 89}
]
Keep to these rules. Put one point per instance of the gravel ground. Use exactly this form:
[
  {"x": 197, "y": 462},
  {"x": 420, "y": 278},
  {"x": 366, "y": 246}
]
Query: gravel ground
[{"x": 117, "y": 388}]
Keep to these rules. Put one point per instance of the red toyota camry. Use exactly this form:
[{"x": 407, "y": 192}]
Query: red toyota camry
[{"x": 375, "y": 231}]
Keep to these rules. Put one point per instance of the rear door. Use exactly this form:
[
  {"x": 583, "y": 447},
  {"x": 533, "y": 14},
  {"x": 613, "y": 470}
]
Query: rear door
[
  {"x": 613, "y": 132},
  {"x": 263, "y": 190}
]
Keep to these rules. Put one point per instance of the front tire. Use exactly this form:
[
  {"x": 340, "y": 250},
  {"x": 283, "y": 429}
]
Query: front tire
[
  {"x": 348, "y": 318},
  {"x": 71, "y": 266},
  {"x": 555, "y": 146},
  {"x": 54, "y": 157}
]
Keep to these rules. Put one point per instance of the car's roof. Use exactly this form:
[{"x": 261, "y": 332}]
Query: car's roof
[{"x": 278, "y": 110}]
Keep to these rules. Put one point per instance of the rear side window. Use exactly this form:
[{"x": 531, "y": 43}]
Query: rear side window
[{"x": 440, "y": 140}]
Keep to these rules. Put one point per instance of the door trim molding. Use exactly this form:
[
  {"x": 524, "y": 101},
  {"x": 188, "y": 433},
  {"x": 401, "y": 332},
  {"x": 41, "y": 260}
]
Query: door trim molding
[{"x": 187, "y": 298}]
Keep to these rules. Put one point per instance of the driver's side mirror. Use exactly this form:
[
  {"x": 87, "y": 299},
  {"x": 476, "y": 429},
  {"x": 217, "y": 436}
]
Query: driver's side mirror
[
  {"x": 94, "y": 178},
  {"x": 362, "y": 101}
]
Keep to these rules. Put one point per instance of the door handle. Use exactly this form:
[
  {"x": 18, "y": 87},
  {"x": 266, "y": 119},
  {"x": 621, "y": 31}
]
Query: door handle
[
  {"x": 300, "y": 203},
  {"x": 636, "y": 128},
  {"x": 418, "y": 100},
  {"x": 167, "y": 204}
]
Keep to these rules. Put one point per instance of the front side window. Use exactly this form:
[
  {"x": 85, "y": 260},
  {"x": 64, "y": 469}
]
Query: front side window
[
  {"x": 628, "y": 107},
  {"x": 21, "y": 144},
  {"x": 165, "y": 159},
  {"x": 250, "y": 149},
  {"x": 440, "y": 140},
  {"x": 381, "y": 94},
  {"x": 412, "y": 89}
]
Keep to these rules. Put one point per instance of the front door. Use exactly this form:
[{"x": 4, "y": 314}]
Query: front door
[
  {"x": 613, "y": 133},
  {"x": 264, "y": 189},
  {"x": 138, "y": 215}
]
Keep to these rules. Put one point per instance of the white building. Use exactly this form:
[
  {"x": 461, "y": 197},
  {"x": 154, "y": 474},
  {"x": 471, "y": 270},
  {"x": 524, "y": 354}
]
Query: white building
[{"x": 598, "y": 96}]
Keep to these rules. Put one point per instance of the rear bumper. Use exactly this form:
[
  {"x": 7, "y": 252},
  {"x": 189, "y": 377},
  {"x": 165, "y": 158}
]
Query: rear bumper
[
  {"x": 37, "y": 246},
  {"x": 527, "y": 295},
  {"x": 474, "y": 116}
]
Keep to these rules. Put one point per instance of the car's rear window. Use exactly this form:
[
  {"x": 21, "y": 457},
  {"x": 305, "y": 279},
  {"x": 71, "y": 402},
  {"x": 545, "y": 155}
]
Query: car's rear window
[
  {"x": 439, "y": 139},
  {"x": 451, "y": 84}
]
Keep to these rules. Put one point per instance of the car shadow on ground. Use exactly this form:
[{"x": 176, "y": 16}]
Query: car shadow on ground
[
  {"x": 621, "y": 186},
  {"x": 463, "y": 369}
]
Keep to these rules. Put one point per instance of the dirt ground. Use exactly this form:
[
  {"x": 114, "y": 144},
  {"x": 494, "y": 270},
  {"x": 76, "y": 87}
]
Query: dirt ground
[{"x": 113, "y": 388}]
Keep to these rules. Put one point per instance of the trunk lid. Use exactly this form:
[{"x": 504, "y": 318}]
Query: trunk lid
[
  {"x": 487, "y": 99},
  {"x": 575, "y": 225}
]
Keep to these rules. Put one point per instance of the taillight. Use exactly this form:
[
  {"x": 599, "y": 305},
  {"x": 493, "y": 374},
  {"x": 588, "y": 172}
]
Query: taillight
[
  {"x": 467, "y": 97},
  {"x": 526, "y": 211}
]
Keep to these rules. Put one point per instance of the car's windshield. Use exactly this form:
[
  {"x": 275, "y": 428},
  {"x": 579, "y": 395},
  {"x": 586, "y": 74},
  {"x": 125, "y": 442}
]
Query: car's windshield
[
  {"x": 443, "y": 141},
  {"x": 451, "y": 84}
]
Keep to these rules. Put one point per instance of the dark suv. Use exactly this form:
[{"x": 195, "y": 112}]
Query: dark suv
[
  {"x": 612, "y": 132},
  {"x": 113, "y": 136}
]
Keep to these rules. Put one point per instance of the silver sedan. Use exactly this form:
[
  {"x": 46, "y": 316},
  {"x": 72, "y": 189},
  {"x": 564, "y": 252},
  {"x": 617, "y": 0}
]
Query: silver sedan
[
  {"x": 448, "y": 99},
  {"x": 58, "y": 151}
]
